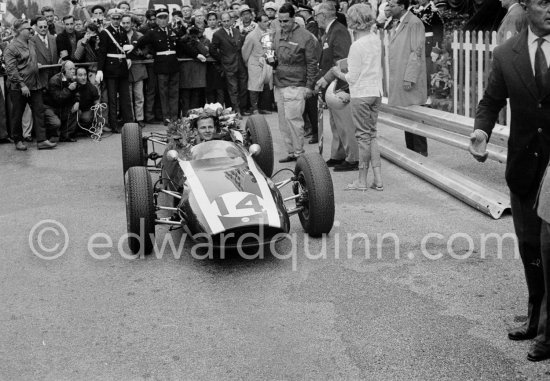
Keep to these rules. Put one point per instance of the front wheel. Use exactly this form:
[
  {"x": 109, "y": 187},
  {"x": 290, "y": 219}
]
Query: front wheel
[
  {"x": 140, "y": 210},
  {"x": 314, "y": 184}
]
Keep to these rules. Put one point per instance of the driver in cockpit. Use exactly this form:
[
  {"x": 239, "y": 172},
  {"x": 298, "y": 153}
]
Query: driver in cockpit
[{"x": 206, "y": 128}]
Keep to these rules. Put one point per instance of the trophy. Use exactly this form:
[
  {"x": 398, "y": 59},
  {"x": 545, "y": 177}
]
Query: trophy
[{"x": 267, "y": 44}]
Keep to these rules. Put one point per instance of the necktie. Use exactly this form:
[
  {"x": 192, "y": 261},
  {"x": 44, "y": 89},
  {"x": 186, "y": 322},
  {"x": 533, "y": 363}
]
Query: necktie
[
  {"x": 230, "y": 33},
  {"x": 45, "y": 39},
  {"x": 541, "y": 67}
]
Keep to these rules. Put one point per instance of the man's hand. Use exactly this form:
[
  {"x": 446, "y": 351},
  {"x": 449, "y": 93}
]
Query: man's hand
[
  {"x": 63, "y": 54},
  {"x": 128, "y": 48},
  {"x": 321, "y": 84},
  {"x": 99, "y": 76},
  {"x": 478, "y": 145},
  {"x": 407, "y": 85},
  {"x": 309, "y": 93},
  {"x": 72, "y": 86},
  {"x": 75, "y": 107},
  {"x": 25, "y": 91},
  {"x": 201, "y": 58}
]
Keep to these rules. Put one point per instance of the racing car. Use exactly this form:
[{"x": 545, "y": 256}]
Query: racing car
[{"x": 220, "y": 190}]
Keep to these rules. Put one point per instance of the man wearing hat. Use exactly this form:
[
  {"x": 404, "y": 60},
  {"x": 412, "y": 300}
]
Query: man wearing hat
[
  {"x": 162, "y": 40},
  {"x": 113, "y": 68},
  {"x": 270, "y": 9},
  {"x": 245, "y": 24}
]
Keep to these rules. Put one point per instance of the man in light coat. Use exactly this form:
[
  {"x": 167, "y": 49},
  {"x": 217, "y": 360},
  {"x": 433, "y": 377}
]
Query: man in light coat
[
  {"x": 407, "y": 66},
  {"x": 513, "y": 22},
  {"x": 253, "y": 56}
]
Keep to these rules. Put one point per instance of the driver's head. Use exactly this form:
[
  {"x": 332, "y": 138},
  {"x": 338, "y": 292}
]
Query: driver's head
[{"x": 206, "y": 128}]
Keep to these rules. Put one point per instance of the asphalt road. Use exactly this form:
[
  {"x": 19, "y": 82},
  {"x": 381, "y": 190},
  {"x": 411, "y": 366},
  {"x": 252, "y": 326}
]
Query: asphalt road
[{"x": 401, "y": 310}]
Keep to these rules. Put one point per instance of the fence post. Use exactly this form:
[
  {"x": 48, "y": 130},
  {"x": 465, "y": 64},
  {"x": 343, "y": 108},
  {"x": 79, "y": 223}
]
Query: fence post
[{"x": 454, "y": 45}]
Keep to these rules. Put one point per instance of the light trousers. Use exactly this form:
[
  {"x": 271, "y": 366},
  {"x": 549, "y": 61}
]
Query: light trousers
[{"x": 290, "y": 106}]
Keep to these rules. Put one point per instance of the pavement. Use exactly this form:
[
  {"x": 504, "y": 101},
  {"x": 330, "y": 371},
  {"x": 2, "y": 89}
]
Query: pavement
[{"x": 408, "y": 285}]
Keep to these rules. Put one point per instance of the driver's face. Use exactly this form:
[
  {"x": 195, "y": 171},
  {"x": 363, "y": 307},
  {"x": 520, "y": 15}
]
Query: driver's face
[{"x": 206, "y": 129}]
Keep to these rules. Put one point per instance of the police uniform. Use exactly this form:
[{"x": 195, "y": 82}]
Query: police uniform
[
  {"x": 112, "y": 63},
  {"x": 163, "y": 45},
  {"x": 433, "y": 27}
]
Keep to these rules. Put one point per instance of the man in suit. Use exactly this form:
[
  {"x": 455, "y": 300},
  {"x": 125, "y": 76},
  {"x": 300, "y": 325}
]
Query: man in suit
[
  {"x": 520, "y": 72},
  {"x": 513, "y": 22},
  {"x": 226, "y": 48},
  {"x": 335, "y": 44},
  {"x": 66, "y": 41},
  {"x": 46, "y": 49},
  {"x": 407, "y": 66},
  {"x": 113, "y": 67}
]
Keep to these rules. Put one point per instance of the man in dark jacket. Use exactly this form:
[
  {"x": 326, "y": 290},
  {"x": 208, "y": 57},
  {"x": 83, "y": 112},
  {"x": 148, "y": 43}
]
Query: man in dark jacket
[
  {"x": 66, "y": 41},
  {"x": 226, "y": 48},
  {"x": 296, "y": 53},
  {"x": 59, "y": 104},
  {"x": 520, "y": 72},
  {"x": 113, "y": 65}
]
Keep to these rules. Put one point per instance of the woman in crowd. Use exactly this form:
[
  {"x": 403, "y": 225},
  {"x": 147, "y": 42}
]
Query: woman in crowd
[
  {"x": 87, "y": 46},
  {"x": 364, "y": 76}
]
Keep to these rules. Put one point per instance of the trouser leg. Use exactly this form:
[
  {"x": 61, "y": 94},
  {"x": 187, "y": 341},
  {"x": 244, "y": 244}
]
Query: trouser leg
[
  {"x": 343, "y": 123},
  {"x": 151, "y": 90},
  {"x": 527, "y": 226},
  {"x": 27, "y": 121},
  {"x": 243, "y": 91},
  {"x": 233, "y": 90},
  {"x": 283, "y": 126},
  {"x": 337, "y": 151},
  {"x": 124, "y": 100},
  {"x": 51, "y": 122},
  {"x": 162, "y": 80},
  {"x": 254, "y": 95},
  {"x": 4, "y": 126},
  {"x": 174, "y": 86},
  {"x": 18, "y": 104},
  {"x": 112, "y": 85},
  {"x": 294, "y": 103},
  {"x": 37, "y": 107},
  {"x": 312, "y": 113}
]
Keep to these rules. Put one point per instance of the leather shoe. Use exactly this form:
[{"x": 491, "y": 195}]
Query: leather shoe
[
  {"x": 521, "y": 333},
  {"x": 53, "y": 139},
  {"x": 20, "y": 146},
  {"x": 141, "y": 123},
  {"x": 333, "y": 162},
  {"x": 314, "y": 140},
  {"x": 46, "y": 144},
  {"x": 347, "y": 166},
  {"x": 288, "y": 159},
  {"x": 538, "y": 352}
]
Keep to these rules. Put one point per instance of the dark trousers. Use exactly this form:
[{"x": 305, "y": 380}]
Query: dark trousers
[
  {"x": 169, "y": 86},
  {"x": 19, "y": 102},
  {"x": 60, "y": 122},
  {"x": 215, "y": 95},
  {"x": 416, "y": 143},
  {"x": 312, "y": 113},
  {"x": 121, "y": 87},
  {"x": 4, "y": 130},
  {"x": 237, "y": 84},
  {"x": 151, "y": 91},
  {"x": 527, "y": 226},
  {"x": 190, "y": 99}
]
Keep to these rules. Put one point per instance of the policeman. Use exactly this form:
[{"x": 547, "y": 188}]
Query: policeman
[
  {"x": 307, "y": 13},
  {"x": 427, "y": 11},
  {"x": 112, "y": 66},
  {"x": 163, "y": 41}
]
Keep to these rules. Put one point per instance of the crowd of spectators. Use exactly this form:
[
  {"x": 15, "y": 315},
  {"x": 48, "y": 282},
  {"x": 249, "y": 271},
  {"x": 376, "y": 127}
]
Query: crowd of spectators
[{"x": 153, "y": 66}]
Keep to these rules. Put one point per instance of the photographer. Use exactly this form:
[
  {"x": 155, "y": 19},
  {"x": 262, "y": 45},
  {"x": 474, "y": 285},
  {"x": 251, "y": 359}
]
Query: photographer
[
  {"x": 86, "y": 49},
  {"x": 61, "y": 103},
  {"x": 87, "y": 95}
]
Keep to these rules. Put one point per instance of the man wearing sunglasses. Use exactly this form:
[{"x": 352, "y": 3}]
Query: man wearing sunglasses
[
  {"x": 46, "y": 49},
  {"x": 24, "y": 85}
]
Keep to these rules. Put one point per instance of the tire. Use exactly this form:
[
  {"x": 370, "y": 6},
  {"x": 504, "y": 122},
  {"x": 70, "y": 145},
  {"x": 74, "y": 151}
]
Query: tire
[
  {"x": 313, "y": 178},
  {"x": 140, "y": 207},
  {"x": 258, "y": 132},
  {"x": 134, "y": 149}
]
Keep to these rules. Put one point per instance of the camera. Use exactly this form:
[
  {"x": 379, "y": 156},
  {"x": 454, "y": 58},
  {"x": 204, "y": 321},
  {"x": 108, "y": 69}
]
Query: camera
[{"x": 74, "y": 2}]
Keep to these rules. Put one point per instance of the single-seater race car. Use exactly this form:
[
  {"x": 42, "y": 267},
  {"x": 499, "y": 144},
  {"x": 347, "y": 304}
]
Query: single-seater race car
[{"x": 218, "y": 185}]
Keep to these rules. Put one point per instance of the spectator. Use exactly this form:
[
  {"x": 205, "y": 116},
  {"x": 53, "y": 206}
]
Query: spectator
[
  {"x": 138, "y": 71},
  {"x": 212, "y": 19},
  {"x": 407, "y": 66},
  {"x": 98, "y": 14},
  {"x": 61, "y": 103},
  {"x": 187, "y": 11},
  {"x": 311, "y": 25},
  {"x": 215, "y": 83},
  {"x": 113, "y": 46},
  {"x": 46, "y": 50},
  {"x": 336, "y": 43},
  {"x": 199, "y": 20},
  {"x": 364, "y": 77},
  {"x": 88, "y": 96},
  {"x": 49, "y": 15},
  {"x": 177, "y": 23},
  {"x": 88, "y": 46},
  {"x": 514, "y": 21},
  {"x": 226, "y": 48},
  {"x": 245, "y": 24},
  {"x": 24, "y": 85},
  {"x": 151, "y": 17},
  {"x": 79, "y": 26},
  {"x": 67, "y": 40},
  {"x": 296, "y": 52},
  {"x": 192, "y": 72},
  {"x": 259, "y": 72},
  {"x": 124, "y": 6},
  {"x": 162, "y": 41}
]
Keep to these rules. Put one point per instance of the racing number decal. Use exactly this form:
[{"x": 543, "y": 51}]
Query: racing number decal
[{"x": 239, "y": 204}]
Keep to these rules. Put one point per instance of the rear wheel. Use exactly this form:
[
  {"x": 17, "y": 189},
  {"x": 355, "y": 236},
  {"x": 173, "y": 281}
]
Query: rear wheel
[
  {"x": 140, "y": 210},
  {"x": 134, "y": 148},
  {"x": 258, "y": 132},
  {"x": 314, "y": 183}
]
